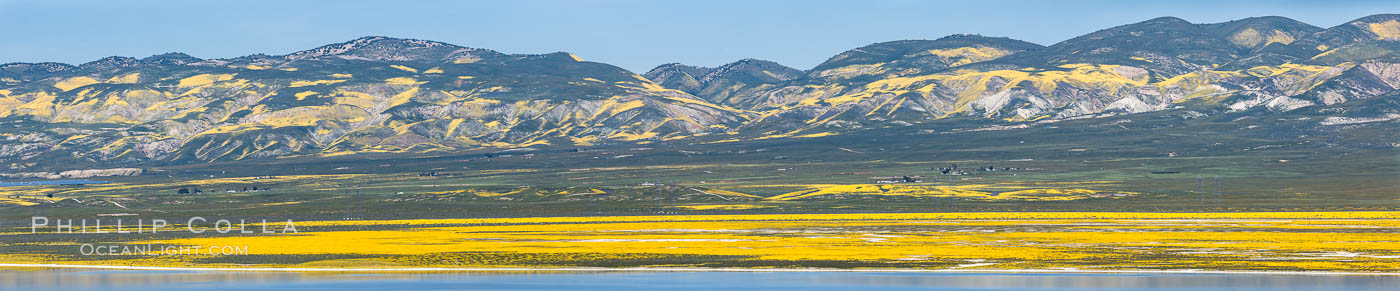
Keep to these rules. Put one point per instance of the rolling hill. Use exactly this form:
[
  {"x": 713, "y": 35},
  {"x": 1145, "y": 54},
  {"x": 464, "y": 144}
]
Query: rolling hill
[{"x": 391, "y": 95}]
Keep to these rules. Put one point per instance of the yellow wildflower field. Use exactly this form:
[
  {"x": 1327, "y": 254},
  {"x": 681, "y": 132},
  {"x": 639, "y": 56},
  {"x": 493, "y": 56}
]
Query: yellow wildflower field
[
  {"x": 1293, "y": 241},
  {"x": 1005, "y": 191}
]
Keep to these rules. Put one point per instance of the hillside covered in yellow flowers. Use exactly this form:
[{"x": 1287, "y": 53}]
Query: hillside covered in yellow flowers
[{"x": 390, "y": 95}]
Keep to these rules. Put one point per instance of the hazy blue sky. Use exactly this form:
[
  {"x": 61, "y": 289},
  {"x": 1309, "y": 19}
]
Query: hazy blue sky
[{"x": 635, "y": 35}]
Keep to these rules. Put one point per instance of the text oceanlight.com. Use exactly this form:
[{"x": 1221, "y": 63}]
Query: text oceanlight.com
[{"x": 160, "y": 250}]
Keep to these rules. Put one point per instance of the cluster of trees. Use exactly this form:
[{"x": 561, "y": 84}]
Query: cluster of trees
[
  {"x": 196, "y": 190},
  {"x": 954, "y": 170}
]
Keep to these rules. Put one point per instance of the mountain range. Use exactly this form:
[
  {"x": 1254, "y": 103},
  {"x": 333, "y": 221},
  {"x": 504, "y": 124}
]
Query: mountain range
[{"x": 382, "y": 94}]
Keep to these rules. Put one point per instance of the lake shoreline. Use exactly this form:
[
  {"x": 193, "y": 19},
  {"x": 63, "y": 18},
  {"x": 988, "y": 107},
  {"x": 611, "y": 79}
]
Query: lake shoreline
[{"x": 4, "y": 266}]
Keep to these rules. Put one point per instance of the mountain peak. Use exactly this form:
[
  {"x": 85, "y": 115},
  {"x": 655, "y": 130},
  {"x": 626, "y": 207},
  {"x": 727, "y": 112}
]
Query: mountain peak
[
  {"x": 1379, "y": 26},
  {"x": 1261, "y": 21},
  {"x": 1272, "y": 19},
  {"x": 960, "y": 35},
  {"x": 383, "y": 48},
  {"x": 172, "y": 58},
  {"x": 1376, "y": 18},
  {"x": 108, "y": 63},
  {"x": 973, "y": 37},
  {"x": 369, "y": 41},
  {"x": 1168, "y": 46},
  {"x": 928, "y": 55},
  {"x": 678, "y": 76},
  {"x": 752, "y": 61},
  {"x": 668, "y": 68},
  {"x": 752, "y": 71},
  {"x": 34, "y": 68},
  {"x": 1354, "y": 40},
  {"x": 1257, "y": 32},
  {"x": 1166, "y": 20}
]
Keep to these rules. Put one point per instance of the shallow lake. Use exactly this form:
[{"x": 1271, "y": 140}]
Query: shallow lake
[{"x": 196, "y": 280}]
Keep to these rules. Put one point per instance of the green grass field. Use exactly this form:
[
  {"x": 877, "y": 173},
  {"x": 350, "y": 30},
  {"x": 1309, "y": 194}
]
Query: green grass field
[{"x": 1168, "y": 164}]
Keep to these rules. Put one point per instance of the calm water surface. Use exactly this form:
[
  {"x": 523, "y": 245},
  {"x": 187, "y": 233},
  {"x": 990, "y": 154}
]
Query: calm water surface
[{"x": 179, "y": 280}]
